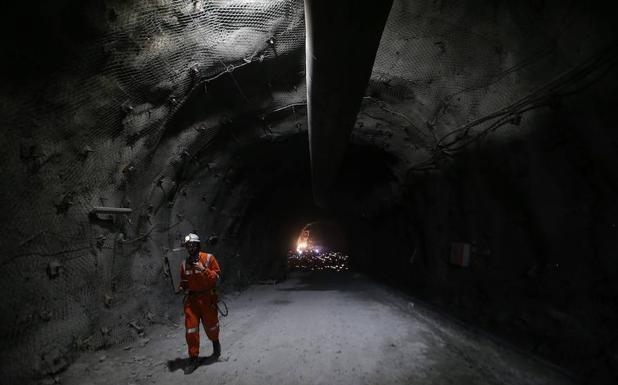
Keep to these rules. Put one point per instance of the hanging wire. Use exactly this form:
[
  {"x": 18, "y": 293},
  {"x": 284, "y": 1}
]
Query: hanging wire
[{"x": 571, "y": 82}]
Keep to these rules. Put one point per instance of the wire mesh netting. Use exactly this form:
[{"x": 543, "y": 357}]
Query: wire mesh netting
[
  {"x": 457, "y": 72},
  {"x": 70, "y": 144}
]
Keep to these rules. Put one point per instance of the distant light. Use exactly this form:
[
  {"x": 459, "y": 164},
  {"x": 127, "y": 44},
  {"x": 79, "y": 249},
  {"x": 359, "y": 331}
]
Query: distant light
[
  {"x": 317, "y": 261},
  {"x": 301, "y": 246}
]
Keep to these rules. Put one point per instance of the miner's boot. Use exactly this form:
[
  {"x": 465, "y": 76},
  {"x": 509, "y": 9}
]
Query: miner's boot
[
  {"x": 194, "y": 362},
  {"x": 216, "y": 349}
]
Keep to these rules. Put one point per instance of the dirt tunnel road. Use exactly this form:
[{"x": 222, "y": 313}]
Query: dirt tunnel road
[{"x": 321, "y": 328}]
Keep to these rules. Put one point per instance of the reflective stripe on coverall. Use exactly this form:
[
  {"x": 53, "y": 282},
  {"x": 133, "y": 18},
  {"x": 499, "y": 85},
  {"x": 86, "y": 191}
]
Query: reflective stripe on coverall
[{"x": 201, "y": 302}]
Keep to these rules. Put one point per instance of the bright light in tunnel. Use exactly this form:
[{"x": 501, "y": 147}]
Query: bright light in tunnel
[
  {"x": 301, "y": 247},
  {"x": 313, "y": 251},
  {"x": 316, "y": 260},
  {"x": 303, "y": 243}
]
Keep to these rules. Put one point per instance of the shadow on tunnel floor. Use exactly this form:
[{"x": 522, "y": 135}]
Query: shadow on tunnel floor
[
  {"x": 183, "y": 363},
  {"x": 324, "y": 281}
]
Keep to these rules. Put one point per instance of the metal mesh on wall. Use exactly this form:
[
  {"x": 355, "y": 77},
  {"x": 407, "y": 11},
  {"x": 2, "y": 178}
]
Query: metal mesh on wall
[
  {"x": 87, "y": 137},
  {"x": 69, "y": 143},
  {"x": 446, "y": 65}
]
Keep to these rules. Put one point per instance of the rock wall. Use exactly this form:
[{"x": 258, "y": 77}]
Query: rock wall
[{"x": 487, "y": 123}]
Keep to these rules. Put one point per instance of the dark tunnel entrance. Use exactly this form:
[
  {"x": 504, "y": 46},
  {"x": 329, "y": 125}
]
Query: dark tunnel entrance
[{"x": 365, "y": 223}]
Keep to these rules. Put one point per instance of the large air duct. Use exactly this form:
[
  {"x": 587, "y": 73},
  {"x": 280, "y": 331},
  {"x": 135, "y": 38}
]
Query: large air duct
[{"x": 342, "y": 40}]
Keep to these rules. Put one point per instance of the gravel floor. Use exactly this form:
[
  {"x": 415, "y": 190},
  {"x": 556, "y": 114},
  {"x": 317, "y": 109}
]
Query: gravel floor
[{"x": 320, "y": 328}]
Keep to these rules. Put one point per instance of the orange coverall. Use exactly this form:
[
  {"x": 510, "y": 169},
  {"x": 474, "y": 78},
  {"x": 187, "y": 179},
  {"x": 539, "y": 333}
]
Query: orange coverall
[{"x": 201, "y": 300}]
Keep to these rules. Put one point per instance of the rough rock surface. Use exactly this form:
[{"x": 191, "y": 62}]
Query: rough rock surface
[
  {"x": 489, "y": 123},
  {"x": 320, "y": 328}
]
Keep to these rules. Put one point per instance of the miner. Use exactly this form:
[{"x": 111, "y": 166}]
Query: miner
[{"x": 199, "y": 275}]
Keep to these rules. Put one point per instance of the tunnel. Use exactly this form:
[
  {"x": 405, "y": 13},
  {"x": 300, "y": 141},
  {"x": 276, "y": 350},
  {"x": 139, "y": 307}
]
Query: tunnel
[{"x": 450, "y": 169}]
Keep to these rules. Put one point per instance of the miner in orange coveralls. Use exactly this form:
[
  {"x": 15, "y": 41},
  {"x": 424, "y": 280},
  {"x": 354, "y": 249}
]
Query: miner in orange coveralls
[{"x": 199, "y": 274}]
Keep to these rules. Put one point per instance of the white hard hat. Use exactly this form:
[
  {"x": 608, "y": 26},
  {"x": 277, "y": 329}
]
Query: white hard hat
[{"x": 191, "y": 238}]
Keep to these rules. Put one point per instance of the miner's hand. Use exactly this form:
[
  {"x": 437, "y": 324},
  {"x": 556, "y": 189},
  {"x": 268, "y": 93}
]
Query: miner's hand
[
  {"x": 179, "y": 289},
  {"x": 198, "y": 265}
]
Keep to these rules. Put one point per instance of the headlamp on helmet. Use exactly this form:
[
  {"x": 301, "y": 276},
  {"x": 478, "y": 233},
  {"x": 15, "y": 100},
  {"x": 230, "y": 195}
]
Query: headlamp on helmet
[{"x": 191, "y": 239}]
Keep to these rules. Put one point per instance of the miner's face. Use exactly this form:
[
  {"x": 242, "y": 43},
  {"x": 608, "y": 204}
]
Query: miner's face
[{"x": 192, "y": 248}]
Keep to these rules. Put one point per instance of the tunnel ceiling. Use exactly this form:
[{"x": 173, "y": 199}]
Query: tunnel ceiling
[{"x": 485, "y": 122}]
